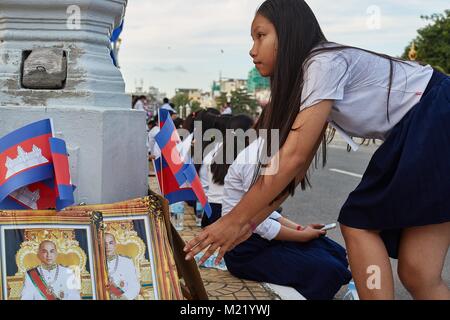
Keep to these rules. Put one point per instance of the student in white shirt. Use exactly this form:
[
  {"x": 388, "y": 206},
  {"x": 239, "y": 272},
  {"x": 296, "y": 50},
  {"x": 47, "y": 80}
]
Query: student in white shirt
[
  {"x": 151, "y": 134},
  {"x": 140, "y": 103},
  {"x": 401, "y": 207},
  {"x": 227, "y": 109},
  {"x": 281, "y": 251},
  {"x": 214, "y": 168},
  {"x": 167, "y": 106}
]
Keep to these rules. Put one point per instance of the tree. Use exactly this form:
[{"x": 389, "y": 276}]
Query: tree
[
  {"x": 195, "y": 106},
  {"x": 433, "y": 42},
  {"x": 180, "y": 99},
  {"x": 221, "y": 100},
  {"x": 241, "y": 102}
]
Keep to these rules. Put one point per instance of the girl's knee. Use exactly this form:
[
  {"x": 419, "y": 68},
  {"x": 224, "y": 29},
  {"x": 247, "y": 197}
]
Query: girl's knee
[{"x": 415, "y": 278}]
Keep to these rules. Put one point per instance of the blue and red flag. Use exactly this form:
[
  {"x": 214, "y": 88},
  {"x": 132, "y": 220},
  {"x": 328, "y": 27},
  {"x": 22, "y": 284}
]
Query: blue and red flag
[
  {"x": 114, "y": 38},
  {"x": 63, "y": 185},
  {"x": 177, "y": 176},
  {"x": 33, "y": 173},
  {"x": 168, "y": 184}
]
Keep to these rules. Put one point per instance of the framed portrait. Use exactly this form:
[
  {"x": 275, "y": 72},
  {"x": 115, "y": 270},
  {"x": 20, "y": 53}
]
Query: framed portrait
[
  {"x": 138, "y": 257},
  {"x": 51, "y": 256}
]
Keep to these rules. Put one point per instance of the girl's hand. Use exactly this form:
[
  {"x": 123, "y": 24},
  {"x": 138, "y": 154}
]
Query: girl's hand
[
  {"x": 317, "y": 226},
  {"x": 310, "y": 233},
  {"x": 224, "y": 234}
]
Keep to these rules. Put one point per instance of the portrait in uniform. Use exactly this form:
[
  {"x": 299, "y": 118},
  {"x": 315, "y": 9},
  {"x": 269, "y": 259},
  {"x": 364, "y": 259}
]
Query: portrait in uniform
[
  {"x": 123, "y": 282},
  {"x": 47, "y": 264},
  {"x": 129, "y": 261},
  {"x": 50, "y": 280}
]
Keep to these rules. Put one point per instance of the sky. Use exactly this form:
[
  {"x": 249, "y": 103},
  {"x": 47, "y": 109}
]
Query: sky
[{"x": 173, "y": 44}]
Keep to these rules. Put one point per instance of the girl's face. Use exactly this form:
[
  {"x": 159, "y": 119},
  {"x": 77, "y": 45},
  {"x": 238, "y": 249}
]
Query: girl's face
[{"x": 265, "y": 45}]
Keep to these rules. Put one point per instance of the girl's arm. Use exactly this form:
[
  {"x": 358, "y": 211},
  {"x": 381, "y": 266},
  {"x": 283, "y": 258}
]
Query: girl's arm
[
  {"x": 294, "y": 160},
  {"x": 306, "y": 235},
  {"x": 289, "y": 224}
]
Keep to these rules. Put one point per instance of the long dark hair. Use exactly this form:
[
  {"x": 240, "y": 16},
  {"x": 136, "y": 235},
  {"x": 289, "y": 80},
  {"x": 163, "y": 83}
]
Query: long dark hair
[
  {"x": 300, "y": 38},
  {"x": 220, "y": 166},
  {"x": 208, "y": 119},
  {"x": 197, "y": 116}
]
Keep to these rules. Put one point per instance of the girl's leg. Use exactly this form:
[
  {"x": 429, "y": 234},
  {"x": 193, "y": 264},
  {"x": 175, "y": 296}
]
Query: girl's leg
[
  {"x": 421, "y": 260},
  {"x": 369, "y": 263}
]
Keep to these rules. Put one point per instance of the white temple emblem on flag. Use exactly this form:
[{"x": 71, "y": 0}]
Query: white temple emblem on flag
[{"x": 24, "y": 160}]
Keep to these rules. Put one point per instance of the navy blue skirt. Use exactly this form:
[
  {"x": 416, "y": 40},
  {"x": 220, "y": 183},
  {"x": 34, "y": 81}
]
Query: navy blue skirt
[
  {"x": 407, "y": 182},
  {"x": 316, "y": 269}
]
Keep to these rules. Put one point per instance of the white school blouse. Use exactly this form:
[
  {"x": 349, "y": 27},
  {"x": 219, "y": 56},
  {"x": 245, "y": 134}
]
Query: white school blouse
[
  {"x": 358, "y": 83},
  {"x": 238, "y": 181},
  {"x": 151, "y": 142}
]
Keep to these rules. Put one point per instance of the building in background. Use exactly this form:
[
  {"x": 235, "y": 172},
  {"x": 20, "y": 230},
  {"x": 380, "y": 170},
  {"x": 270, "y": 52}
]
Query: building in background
[
  {"x": 256, "y": 82},
  {"x": 192, "y": 94},
  {"x": 156, "y": 94},
  {"x": 258, "y": 86},
  {"x": 228, "y": 85},
  {"x": 207, "y": 100}
]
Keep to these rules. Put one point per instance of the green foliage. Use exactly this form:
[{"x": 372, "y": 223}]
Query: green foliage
[
  {"x": 433, "y": 42},
  {"x": 195, "y": 106},
  {"x": 241, "y": 102},
  {"x": 180, "y": 99}
]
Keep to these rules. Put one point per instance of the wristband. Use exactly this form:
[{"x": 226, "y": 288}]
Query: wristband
[{"x": 299, "y": 228}]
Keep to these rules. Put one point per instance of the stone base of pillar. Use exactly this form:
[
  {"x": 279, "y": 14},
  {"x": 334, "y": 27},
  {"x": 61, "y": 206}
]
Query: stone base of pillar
[{"x": 107, "y": 147}]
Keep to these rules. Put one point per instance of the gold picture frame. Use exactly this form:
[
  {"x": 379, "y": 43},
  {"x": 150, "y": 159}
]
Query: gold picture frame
[
  {"x": 149, "y": 250},
  {"x": 74, "y": 236}
]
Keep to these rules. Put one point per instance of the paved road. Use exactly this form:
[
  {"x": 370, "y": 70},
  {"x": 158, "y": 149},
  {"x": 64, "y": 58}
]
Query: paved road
[{"x": 331, "y": 186}]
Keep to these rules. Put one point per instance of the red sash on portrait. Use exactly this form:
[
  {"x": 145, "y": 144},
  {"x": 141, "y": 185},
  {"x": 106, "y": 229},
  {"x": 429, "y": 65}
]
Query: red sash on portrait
[
  {"x": 40, "y": 284},
  {"x": 116, "y": 291}
]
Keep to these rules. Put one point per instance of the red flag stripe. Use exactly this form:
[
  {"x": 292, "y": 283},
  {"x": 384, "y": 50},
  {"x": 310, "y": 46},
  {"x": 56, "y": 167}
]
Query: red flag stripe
[
  {"x": 198, "y": 190},
  {"x": 169, "y": 183},
  {"x": 61, "y": 164},
  {"x": 41, "y": 142}
]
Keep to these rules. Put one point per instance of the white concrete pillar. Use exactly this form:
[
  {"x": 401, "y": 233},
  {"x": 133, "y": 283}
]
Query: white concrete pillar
[{"x": 106, "y": 139}]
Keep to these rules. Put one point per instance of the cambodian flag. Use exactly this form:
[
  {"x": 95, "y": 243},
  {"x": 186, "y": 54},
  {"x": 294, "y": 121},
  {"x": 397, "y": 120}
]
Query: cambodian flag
[
  {"x": 169, "y": 185},
  {"x": 37, "y": 196},
  {"x": 31, "y": 170},
  {"x": 25, "y": 157},
  {"x": 63, "y": 186},
  {"x": 176, "y": 174}
]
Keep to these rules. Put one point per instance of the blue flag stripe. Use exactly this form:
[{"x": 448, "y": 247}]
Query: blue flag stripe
[
  {"x": 163, "y": 137},
  {"x": 164, "y": 115},
  {"x": 26, "y": 178},
  {"x": 30, "y": 131},
  {"x": 11, "y": 204},
  {"x": 58, "y": 146},
  {"x": 179, "y": 196},
  {"x": 158, "y": 164},
  {"x": 65, "y": 198},
  {"x": 189, "y": 172}
]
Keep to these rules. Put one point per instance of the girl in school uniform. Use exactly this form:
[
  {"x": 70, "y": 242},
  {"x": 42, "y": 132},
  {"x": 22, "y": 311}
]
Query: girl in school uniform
[
  {"x": 401, "y": 208},
  {"x": 214, "y": 167},
  {"x": 281, "y": 251}
]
